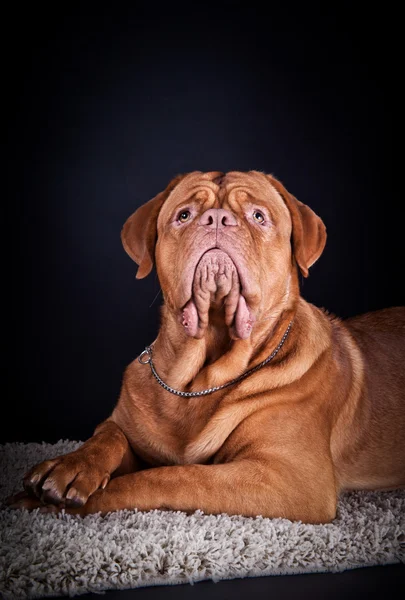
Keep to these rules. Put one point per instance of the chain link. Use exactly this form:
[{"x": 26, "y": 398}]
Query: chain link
[{"x": 148, "y": 353}]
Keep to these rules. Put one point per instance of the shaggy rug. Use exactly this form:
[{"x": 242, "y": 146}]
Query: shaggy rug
[{"x": 51, "y": 555}]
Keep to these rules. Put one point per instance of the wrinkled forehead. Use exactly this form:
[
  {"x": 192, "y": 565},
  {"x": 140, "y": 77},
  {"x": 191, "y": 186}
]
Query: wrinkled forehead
[{"x": 217, "y": 186}]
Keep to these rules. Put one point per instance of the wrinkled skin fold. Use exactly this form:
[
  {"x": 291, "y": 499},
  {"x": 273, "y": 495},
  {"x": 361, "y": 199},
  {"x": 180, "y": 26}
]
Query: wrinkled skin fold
[{"x": 216, "y": 283}]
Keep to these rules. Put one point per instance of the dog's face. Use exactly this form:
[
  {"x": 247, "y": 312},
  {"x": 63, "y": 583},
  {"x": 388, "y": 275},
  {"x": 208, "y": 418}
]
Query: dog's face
[{"x": 225, "y": 244}]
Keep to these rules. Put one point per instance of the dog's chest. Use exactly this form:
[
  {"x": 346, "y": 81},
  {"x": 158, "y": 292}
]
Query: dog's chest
[{"x": 183, "y": 433}]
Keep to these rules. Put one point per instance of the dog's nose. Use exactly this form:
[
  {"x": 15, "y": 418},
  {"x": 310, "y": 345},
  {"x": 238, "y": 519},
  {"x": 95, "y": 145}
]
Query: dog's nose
[{"x": 218, "y": 218}]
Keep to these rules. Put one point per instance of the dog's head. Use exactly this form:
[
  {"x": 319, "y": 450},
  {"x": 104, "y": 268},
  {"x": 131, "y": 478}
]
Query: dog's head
[{"x": 224, "y": 242}]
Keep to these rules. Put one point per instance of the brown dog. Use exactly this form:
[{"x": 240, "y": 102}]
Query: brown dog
[{"x": 325, "y": 413}]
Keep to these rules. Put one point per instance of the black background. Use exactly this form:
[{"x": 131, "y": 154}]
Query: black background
[{"x": 105, "y": 106}]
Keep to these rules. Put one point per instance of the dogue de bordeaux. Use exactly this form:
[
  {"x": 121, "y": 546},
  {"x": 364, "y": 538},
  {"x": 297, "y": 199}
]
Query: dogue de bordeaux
[{"x": 250, "y": 400}]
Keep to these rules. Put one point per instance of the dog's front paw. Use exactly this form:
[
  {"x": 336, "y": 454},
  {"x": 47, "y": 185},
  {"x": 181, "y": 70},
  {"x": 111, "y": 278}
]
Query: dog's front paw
[
  {"x": 67, "y": 481},
  {"x": 25, "y": 500}
]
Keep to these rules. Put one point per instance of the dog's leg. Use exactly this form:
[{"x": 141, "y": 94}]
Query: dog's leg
[
  {"x": 69, "y": 480},
  {"x": 240, "y": 487}
]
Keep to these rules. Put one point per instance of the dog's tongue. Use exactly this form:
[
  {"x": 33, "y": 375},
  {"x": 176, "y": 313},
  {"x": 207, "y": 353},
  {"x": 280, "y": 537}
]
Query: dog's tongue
[{"x": 216, "y": 283}]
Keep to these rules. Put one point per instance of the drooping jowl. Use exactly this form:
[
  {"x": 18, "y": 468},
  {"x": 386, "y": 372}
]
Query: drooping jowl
[{"x": 216, "y": 284}]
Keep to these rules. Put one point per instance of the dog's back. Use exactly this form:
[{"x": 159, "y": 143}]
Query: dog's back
[{"x": 377, "y": 438}]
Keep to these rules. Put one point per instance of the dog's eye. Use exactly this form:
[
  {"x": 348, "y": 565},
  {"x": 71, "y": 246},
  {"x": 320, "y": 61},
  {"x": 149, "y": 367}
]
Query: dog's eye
[
  {"x": 258, "y": 216},
  {"x": 184, "y": 216}
]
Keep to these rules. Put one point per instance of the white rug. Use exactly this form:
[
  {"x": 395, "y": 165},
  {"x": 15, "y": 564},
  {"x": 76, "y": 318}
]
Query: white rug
[{"x": 49, "y": 555}]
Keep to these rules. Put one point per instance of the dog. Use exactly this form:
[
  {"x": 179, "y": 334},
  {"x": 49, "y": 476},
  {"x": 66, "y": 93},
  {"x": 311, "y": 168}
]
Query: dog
[{"x": 250, "y": 401}]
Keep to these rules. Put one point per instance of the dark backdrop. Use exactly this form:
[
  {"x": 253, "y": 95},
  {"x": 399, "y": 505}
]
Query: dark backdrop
[{"x": 104, "y": 107}]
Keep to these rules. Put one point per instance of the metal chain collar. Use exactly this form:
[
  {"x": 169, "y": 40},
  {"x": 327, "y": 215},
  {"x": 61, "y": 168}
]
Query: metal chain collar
[{"x": 148, "y": 352}]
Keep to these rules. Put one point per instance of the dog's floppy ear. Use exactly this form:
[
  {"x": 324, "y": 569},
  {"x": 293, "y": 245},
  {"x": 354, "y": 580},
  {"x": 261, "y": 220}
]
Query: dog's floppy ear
[
  {"x": 308, "y": 230},
  {"x": 139, "y": 233}
]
